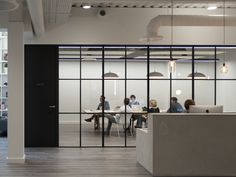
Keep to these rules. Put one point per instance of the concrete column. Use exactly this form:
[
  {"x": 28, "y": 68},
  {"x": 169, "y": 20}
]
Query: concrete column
[{"x": 16, "y": 152}]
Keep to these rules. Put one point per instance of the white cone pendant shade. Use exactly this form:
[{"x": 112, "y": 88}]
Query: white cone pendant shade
[
  {"x": 155, "y": 75},
  {"x": 110, "y": 75},
  {"x": 197, "y": 75}
]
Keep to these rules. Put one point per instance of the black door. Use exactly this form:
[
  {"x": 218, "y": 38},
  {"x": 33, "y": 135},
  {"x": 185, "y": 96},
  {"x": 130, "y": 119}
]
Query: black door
[{"x": 41, "y": 96}]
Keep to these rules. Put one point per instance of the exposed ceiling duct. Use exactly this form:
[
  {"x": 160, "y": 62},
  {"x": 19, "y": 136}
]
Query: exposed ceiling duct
[
  {"x": 152, "y": 29},
  {"x": 8, "y": 5},
  {"x": 36, "y": 14}
]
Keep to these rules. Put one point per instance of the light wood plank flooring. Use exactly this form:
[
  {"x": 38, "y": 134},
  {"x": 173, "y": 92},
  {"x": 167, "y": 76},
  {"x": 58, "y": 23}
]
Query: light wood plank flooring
[
  {"x": 69, "y": 136},
  {"x": 73, "y": 162}
]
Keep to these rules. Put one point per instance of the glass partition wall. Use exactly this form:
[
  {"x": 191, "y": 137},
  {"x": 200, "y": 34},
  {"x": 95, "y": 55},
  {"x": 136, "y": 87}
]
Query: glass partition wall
[{"x": 115, "y": 72}]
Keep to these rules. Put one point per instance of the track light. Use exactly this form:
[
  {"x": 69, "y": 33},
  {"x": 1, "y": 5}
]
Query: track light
[
  {"x": 86, "y": 6},
  {"x": 212, "y": 7}
]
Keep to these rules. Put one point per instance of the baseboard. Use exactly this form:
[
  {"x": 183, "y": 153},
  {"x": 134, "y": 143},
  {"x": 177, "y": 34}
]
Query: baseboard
[{"x": 16, "y": 160}]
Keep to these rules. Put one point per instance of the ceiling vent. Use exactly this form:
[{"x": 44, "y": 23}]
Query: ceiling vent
[{"x": 8, "y": 5}]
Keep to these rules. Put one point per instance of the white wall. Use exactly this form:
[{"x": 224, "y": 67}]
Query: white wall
[{"x": 127, "y": 26}]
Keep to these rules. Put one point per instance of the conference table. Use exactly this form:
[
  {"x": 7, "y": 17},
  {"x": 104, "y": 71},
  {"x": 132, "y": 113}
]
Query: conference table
[{"x": 116, "y": 111}]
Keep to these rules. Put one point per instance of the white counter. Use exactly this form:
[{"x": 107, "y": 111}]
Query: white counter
[{"x": 188, "y": 145}]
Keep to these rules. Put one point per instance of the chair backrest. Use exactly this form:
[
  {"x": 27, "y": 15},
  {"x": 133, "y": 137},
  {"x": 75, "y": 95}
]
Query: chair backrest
[{"x": 122, "y": 118}]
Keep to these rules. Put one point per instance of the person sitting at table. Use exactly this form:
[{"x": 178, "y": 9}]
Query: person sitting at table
[
  {"x": 116, "y": 118},
  {"x": 133, "y": 104},
  {"x": 152, "y": 109},
  {"x": 188, "y": 103},
  {"x": 133, "y": 101},
  {"x": 175, "y": 107},
  {"x": 96, "y": 116}
]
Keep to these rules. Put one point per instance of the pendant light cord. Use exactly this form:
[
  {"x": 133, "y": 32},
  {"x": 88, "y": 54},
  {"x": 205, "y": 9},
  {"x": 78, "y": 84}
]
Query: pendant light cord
[
  {"x": 171, "y": 30},
  {"x": 224, "y": 28}
]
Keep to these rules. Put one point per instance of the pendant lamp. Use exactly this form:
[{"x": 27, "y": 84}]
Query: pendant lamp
[
  {"x": 197, "y": 75},
  {"x": 224, "y": 68},
  {"x": 110, "y": 75},
  {"x": 155, "y": 75}
]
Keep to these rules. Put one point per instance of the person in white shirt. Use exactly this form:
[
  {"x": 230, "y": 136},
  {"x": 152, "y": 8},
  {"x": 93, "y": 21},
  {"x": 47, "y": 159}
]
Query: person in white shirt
[{"x": 116, "y": 118}]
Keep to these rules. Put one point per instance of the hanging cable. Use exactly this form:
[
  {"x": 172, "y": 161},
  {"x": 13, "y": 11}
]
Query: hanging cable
[
  {"x": 224, "y": 67},
  {"x": 172, "y": 63}
]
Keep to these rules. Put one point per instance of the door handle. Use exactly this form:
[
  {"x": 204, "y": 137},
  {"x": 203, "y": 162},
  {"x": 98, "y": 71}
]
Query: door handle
[{"x": 52, "y": 106}]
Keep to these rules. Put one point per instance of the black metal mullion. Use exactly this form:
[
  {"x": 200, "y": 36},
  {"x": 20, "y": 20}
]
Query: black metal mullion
[
  {"x": 125, "y": 94},
  {"x": 148, "y": 71},
  {"x": 103, "y": 92},
  {"x": 80, "y": 94},
  {"x": 170, "y": 80},
  {"x": 193, "y": 68},
  {"x": 215, "y": 78}
]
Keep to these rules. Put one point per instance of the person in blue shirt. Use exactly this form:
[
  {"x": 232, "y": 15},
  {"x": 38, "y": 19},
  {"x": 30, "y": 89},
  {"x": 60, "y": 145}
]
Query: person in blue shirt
[
  {"x": 133, "y": 101},
  {"x": 175, "y": 107}
]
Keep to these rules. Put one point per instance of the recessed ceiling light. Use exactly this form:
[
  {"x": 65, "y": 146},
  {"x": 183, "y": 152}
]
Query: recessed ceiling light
[
  {"x": 212, "y": 7},
  {"x": 86, "y": 6}
]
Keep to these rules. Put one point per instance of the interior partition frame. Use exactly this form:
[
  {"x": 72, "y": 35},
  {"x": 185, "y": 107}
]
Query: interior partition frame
[{"x": 171, "y": 79}]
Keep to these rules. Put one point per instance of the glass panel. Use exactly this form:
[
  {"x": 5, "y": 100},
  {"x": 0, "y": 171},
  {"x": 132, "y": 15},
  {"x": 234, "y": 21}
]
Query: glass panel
[
  {"x": 114, "y": 61},
  {"x": 69, "y": 130},
  {"x": 114, "y": 91},
  {"x": 69, "y": 62},
  {"x": 160, "y": 91},
  {"x": 182, "y": 90},
  {"x": 139, "y": 89},
  {"x": 183, "y": 58},
  {"x": 69, "y": 103},
  {"x": 204, "y": 92},
  {"x": 69, "y": 96},
  {"x": 137, "y": 62},
  {"x": 204, "y": 58},
  {"x": 159, "y": 57},
  {"x": 227, "y": 55},
  {"x": 91, "y": 62},
  {"x": 226, "y": 95},
  {"x": 91, "y": 92}
]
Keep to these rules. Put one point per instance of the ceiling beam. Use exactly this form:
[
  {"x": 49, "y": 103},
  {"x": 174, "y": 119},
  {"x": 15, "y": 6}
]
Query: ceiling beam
[{"x": 36, "y": 14}]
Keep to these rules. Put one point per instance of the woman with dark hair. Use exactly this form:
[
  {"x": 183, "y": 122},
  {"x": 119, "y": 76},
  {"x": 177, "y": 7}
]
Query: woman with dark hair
[{"x": 188, "y": 103}]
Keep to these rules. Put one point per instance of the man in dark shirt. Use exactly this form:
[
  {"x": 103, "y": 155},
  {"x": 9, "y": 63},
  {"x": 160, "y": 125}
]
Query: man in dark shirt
[
  {"x": 96, "y": 116},
  {"x": 175, "y": 107}
]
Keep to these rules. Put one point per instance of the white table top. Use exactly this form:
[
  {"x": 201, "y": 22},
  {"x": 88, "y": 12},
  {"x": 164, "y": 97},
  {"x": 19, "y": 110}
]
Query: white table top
[{"x": 114, "y": 111}]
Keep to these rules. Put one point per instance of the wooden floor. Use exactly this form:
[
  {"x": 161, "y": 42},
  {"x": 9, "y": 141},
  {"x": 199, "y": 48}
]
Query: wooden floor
[
  {"x": 73, "y": 162},
  {"x": 69, "y": 136}
]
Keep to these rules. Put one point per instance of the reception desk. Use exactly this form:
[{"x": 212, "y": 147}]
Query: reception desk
[{"x": 188, "y": 144}]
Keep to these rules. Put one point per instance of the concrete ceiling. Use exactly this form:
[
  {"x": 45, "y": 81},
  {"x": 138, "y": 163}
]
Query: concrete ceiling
[{"x": 58, "y": 11}]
